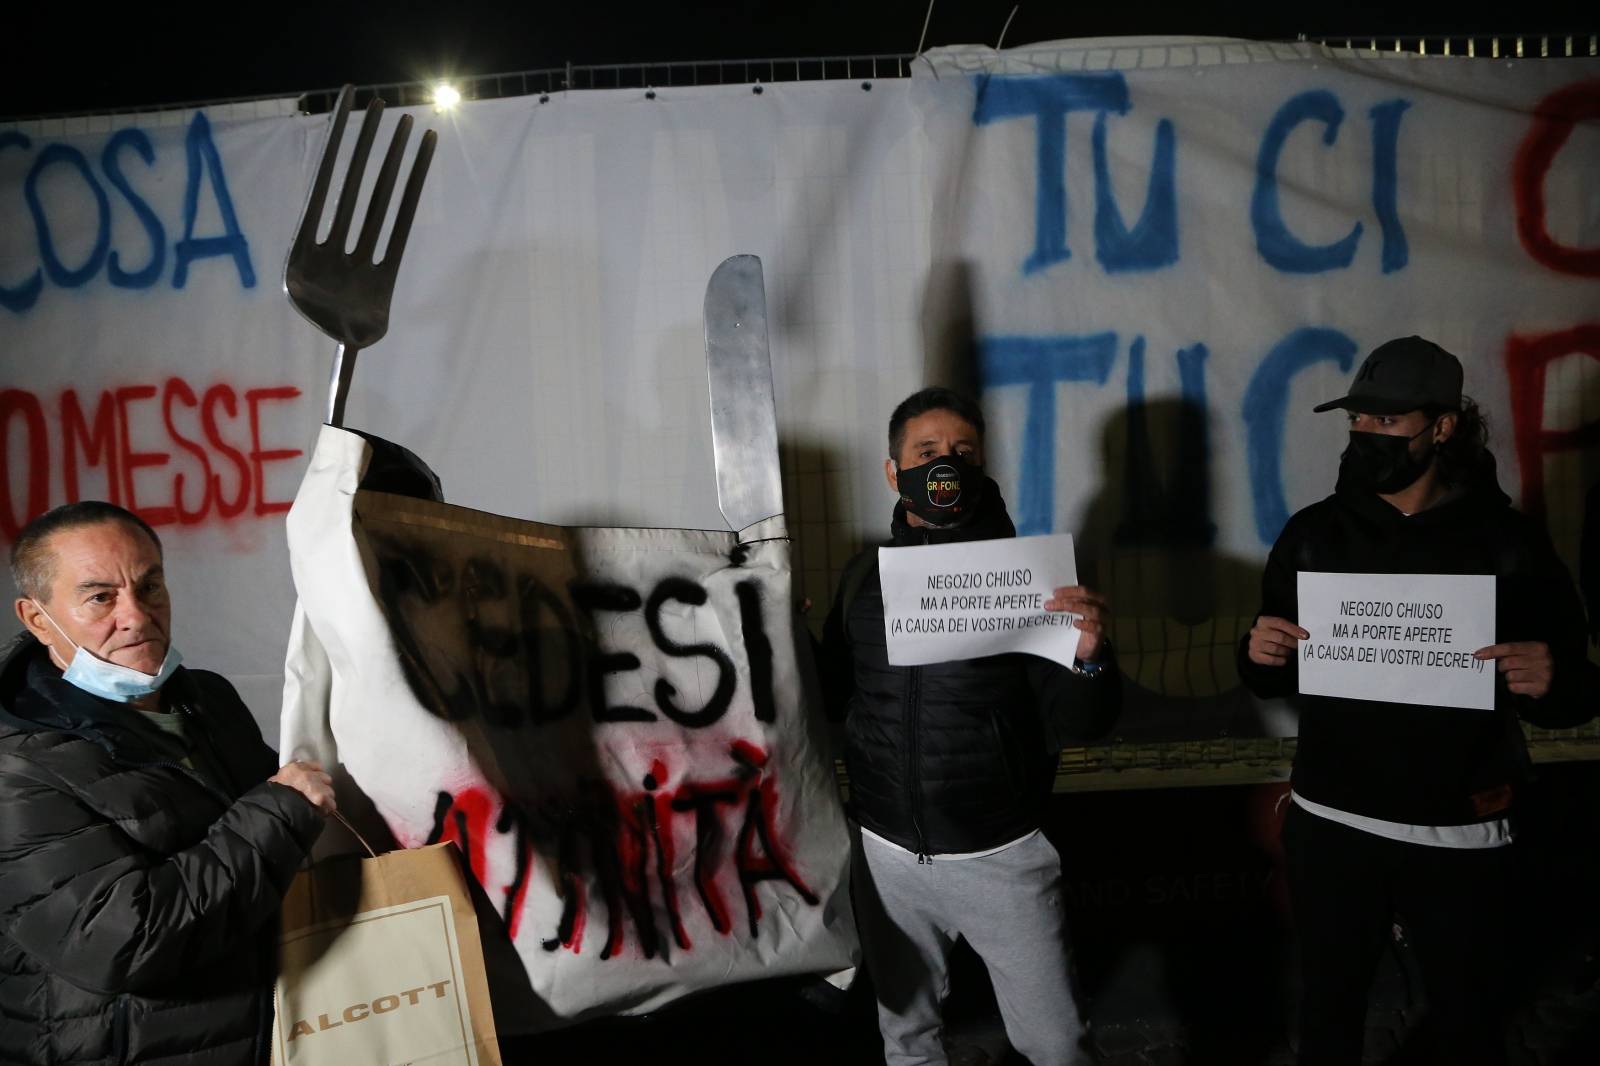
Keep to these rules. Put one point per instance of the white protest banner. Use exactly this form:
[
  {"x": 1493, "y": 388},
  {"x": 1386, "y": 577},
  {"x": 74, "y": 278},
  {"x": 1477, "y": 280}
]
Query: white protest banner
[
  {"x": 614, "y": 725},
  {"x": 1398, "y": 638},
  {"x": 985, "y": 597}
]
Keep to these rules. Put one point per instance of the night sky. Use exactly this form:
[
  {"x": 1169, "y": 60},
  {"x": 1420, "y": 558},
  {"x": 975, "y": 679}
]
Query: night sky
[{"x": 62, "y": 57}]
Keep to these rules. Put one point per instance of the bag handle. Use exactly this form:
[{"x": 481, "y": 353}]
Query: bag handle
[{"x": 342, "y": 820}]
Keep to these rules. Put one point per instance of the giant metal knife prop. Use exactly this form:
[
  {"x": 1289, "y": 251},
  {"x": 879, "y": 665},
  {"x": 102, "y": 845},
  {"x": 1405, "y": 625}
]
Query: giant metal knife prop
[{"x": 744, "y": 424}]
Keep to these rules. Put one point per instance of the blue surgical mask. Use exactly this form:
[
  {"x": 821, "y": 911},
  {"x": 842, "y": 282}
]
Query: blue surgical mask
[{"x": 108, "y": 680}]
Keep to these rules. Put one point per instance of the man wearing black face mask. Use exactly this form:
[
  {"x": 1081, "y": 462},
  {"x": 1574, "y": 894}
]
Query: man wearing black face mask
[
  {"x": 951, "y": 764},
  {"x": 1399, "y": 808}
]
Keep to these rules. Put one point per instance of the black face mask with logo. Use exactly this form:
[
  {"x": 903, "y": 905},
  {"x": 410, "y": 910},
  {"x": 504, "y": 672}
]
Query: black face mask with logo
[
  {"x": 944, "y": 491},
  {"x": 1382, "y": 462}
]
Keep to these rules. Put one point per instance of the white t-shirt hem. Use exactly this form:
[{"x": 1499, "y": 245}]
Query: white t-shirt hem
[
  {"x": 867, "y": 834},
  {"x": 1477, "y": 835}
]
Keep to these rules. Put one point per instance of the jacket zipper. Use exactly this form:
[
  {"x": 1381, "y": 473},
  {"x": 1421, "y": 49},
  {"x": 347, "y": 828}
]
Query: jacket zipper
[
  {"x": 914, "y": 747},
  {"x": 119, "y": 1030},
  {"x": 199, "y": 730},
  {"x": 266, "y": 1025},
  {"x": 193, "y": 775},
  {"x": 913, "y": 758}
]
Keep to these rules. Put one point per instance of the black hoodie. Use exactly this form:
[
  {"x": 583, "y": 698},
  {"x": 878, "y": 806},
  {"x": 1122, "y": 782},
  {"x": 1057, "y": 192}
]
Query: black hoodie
[
  {"x": 137, "y": 898},
  {"x": 1425, "y": 765}
]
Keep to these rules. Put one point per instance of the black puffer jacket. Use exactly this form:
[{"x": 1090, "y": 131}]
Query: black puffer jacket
[
  {"x": 1424, "y": 765},
  {"x": 137, "y": 900},
  {"x": 957, "y": 756}
]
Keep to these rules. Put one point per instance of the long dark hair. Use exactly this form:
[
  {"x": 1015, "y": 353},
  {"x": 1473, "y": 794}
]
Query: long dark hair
[{"x": 1462, "y": 456}]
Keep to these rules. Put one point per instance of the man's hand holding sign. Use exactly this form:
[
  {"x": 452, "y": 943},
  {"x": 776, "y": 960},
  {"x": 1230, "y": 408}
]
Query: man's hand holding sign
[
  {"x": 1527, "y": 664},
  {"x": 1091, "y": 609},
  {"x": 1274, "y": 641}
]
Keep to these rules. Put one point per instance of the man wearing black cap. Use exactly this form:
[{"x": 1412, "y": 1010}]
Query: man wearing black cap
[{"x": 1400, "y": 809}]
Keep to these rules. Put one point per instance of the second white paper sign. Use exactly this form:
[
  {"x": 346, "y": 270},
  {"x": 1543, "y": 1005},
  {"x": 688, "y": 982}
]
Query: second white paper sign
[{"x": 1398, "y": 638}]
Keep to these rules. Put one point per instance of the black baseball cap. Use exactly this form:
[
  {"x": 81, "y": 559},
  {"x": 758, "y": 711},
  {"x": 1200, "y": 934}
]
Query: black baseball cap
[{"x": 1403, "y": 375}]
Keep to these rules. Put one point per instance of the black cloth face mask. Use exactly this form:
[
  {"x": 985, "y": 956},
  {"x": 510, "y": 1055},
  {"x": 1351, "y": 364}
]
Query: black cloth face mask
[
  {"x": 1382, "y": 462},
  {"x": 944, "y": 491}
]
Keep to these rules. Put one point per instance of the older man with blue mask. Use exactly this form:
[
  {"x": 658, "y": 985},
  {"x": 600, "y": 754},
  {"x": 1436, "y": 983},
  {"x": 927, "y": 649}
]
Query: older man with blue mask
[{"x": 147, "y": 834}]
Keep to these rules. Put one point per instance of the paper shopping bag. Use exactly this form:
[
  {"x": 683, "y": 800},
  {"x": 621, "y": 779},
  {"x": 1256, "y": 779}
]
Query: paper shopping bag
[{"x": 380, "y": 963}]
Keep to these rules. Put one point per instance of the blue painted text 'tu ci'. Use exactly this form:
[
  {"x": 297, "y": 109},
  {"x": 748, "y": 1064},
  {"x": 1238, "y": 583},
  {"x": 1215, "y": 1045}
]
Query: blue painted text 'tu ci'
[
  {"x": 1275, "y": 241},
  {"x": 1152, "y": 242}
]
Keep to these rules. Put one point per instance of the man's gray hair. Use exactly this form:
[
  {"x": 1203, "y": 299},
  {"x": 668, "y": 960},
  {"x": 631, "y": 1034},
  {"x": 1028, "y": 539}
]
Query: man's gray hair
[{"x": 32, "y": 561}]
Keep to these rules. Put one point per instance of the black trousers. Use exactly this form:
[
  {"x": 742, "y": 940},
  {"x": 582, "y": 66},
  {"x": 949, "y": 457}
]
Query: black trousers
[{"x": 1347, "y": 888}]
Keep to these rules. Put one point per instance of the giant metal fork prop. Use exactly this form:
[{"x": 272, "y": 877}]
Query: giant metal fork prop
[{"x": 343, "y": 293}]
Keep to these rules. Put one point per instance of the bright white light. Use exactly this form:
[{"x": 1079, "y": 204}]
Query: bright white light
[{"x": 445, "y": 96}]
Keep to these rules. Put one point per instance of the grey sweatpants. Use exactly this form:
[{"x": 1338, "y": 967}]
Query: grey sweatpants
[{"x": 1008, "y": 907}]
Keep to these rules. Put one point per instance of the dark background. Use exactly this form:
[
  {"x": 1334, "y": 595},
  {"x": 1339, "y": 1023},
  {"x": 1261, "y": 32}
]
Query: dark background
[
  {"x": 62, "y": 56},
  {"x": 1177, "y": 907}
]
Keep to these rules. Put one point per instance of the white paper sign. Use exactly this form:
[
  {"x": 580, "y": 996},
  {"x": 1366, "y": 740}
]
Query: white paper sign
[
  {"x": 1398, "y": 638},
  {"x": 962, "y": 601}
]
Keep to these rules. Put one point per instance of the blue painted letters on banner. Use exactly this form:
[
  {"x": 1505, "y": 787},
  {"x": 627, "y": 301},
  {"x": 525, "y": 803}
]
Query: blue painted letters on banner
[
  {"x": 1266, "y": 404},
  {"x": 1041, "y": 363},
  {"x": 19, "y": 297},
  {"x": 150, "y": 273},
  {"x": 1386, "y": 180},
  {"x": 1153, "y": 240},
  {"x": 202, "y": 156},
  {"x": 71, "y": 180},
  {"x": 1277, "y": 245}
]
